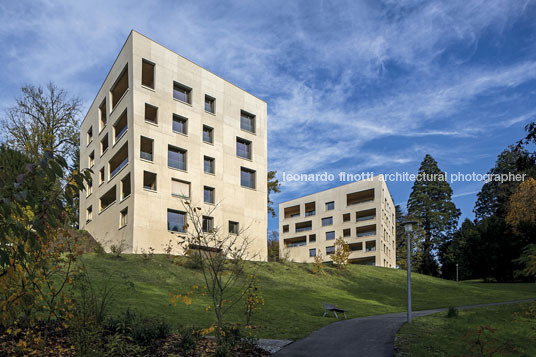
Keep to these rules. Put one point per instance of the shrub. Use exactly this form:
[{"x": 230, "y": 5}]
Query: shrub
[
  {"x": 194, "y": 261},
  {"x": 119, "y": 248},
  {"x": 189, "y": 336},
  {"x": 452, "y": 312},
  {"x": 143, "y": 330},
  {"x": 121, "y": 345}
]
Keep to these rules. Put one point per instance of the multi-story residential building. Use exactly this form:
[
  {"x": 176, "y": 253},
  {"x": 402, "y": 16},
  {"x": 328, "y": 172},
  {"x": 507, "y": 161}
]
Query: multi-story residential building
[
  {"x": 361, "y": 212},
  {"x": 161, "y": 130}
]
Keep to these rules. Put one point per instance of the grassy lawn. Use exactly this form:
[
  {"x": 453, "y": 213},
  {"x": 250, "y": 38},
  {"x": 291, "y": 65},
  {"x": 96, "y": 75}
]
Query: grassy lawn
[
  {"x": 292, "y": 293},
  {"x": 437, "y": 335}
]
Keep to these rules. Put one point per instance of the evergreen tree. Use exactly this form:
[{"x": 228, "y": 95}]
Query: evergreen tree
[
  {"x": 401, "y": 241},
  {"x": 430, "y": 202}
]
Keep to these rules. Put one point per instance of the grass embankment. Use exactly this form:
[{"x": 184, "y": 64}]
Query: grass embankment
[
  {"x": 505, "y": 330},
  {"x": 292, "y": 293}
]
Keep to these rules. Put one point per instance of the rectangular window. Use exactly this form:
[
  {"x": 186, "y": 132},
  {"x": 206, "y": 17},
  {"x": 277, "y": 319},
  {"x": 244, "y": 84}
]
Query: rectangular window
[
  {"x": 208, "y": 194},
  {"x": 146, "y": 148},
  {"x": 330, "y": 206},
  {"x": 177, "y": 158},
  {"x": 208, "y": 224},
  {"x": 304, "y": 226},
  {"x": 285, "y": 228},
  {"x": 151, "y": 114},
  {"x": 119, "y": 160},
  {"x": 120, "y": 87},
  {"x": 243, "y": 148},
  {"x": 210, "y": 104},
  {"x": 104, "y": 144},
  {"x": 90, "y": 135},
  {"x": 120, "y": 126},
  {"x": 247, "y": 121},
  {"x": 123, "y": 217},
  {"x": 176, "y": 220},
  {"x": 328, "y": 221},
  {"x": 312, "y": 252},
  {"x": 247, "y": 178},
  {"x": 101, "y": 176},
  {"x": 312, "y": 238},
  {"x": 182, "y": 93},
  {"x": 310, "y": 209},
  {"x": 103, "y": 115},
  {"x": 89, "y": 190},
  {"x": 347, "y": 232},
  {"x": 330, "y": 250},
  {"x": 234, "y": 227},
  {"x": 91, "y": 160},
  {"x": 208, "y": 165},
  {"x": 370, "y": 246},
  {"x": 107, "y": 199},
  {"x": 149, "y": 180},
  {"x": 180, "y": 124},
  {"x": 125, "y": 187},
  {"x": 89, "y": 214},
  {"x": 330, "y": 235},
  {"x": 346, "y": 217},
  {"x": 180, "y": 188},
  {"x": 208, "y": 134},
  {"x": 147, "y": 74}
]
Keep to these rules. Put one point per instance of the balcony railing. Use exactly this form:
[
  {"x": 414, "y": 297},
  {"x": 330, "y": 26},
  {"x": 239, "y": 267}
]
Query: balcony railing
[
  {"x": 146, "y": 156},
  {"x": 118, "y": 135},
  {"x": 372, "y": 249},
  {"x": 303, "y": 229},
  {"x": 309, "y": 213},
  {"x": 119, "y": 167},
  {"x": 365, "y": 218},
  {"x": 296, "y": 244},
  {"x": 366, "y": 234}
]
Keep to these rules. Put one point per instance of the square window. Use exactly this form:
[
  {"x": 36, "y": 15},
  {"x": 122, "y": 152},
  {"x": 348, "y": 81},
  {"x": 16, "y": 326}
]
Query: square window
[
  {"x": 146, "y": 148},
  {"x": 210, "y": 104},
  {"x": 208, "y": 134},
  {"x": 312, "y": 252},
  {"x": 330, "y": 250},
  {"x": 208, "y": 165},
  {"x": 330, "y": 206},
  {"x": 176, "y": 220},
  {"x": 330, "y": 235},
  {"x": 208, "y": 224},
  {"x": 149, "y": 180},
  {"x": 107, "y": 199},
  {"x": 208, "y": 194},
  {"x": 285, "y": 228},
  {"x": 182, "y": 93},
  {"x": 328, "y": 221},
  {"x": 312, "y": 238},
  {"x": 147, "y": 74},
  {"x": 177, "y": 158},
  {"x": 243, "y": 148},
  {"x": 180, "y": 188},
  {"x": 90, "y": 135},
  {"x": 123, "y": 217},
  {"x": 346, "y": 217},
  {"x": 180, "y": 124},
  {"x": 89, "y": 214},
  {"x": 234, "y": 227},
  {"x": 151, "y": 114},
  {"x": 247, "y": 121},
  {"x": 247, "y": 178},
  {"x": 347, "y": 232}
]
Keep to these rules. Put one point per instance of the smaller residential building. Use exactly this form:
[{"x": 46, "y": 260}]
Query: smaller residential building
[{"x": 361, "y": 212}]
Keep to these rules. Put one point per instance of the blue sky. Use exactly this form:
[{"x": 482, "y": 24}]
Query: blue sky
[{"x": 351, "y": 86}]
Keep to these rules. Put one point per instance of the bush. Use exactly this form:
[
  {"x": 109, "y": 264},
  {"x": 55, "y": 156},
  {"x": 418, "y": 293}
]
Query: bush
[
  {"x": 121, "y": 345},
  {"x": 143, "y": 330},
  {"x": 189, "y": 337},
  {"x": 452, "y": 312},
  {"x": 194, "y": 261}
]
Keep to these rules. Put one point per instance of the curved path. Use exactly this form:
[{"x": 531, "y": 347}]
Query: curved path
[{"x": 371, "y": 336}]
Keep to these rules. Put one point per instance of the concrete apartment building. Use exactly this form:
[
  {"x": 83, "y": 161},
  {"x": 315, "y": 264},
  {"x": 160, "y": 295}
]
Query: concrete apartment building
[
  {"x": 361, "y": 212},
  {"x": 163, "y": 129}
]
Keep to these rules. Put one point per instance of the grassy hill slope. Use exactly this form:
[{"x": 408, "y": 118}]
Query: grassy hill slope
[{"x": 292, "y": 293}]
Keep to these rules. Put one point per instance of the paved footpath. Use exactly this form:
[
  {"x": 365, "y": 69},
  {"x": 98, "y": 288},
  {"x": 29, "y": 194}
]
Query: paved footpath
[{"x": 371, "y": 336}]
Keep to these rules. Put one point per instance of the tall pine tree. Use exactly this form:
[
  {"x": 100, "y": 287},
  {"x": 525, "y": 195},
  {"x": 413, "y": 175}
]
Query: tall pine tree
[{"x": 430, "y": 202}]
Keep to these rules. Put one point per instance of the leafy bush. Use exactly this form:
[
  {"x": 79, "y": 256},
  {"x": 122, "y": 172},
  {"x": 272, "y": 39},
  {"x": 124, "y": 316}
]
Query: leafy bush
[
  {"x": 189, "y": 337},
  {"x": 143, "y": 330},
  {"x": 195, "y": 261},
  {"x": 452, "y": 312},
  {"x": 121, "y": 345}
]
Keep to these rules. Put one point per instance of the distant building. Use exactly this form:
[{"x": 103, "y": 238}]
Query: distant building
[
  {"x": 361, "y": 212},
  {"x": 162, "y": 129}
]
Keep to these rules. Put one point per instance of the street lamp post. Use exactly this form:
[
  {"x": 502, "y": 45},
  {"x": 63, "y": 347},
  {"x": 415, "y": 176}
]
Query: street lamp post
[
  {"x": 408, "y": 227},
  {"x": 456, "y": 271}
]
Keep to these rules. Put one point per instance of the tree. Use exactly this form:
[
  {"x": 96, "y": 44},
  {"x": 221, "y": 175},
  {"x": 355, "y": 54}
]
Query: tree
[
  {"x": 522, "y": 205},
  {"x": 401, "y": 241},
  {"x": 342, "y": 252},
  {"x": 460, "y": 250},
  {"x": 44, "y": 120},
  {"x": 221, "y": 258},
  {"x": 494, "y": 195},
  {"x": 273, "y": 246},
  {"x": 273, "y": 186},
  {"x": 431, "y": 203}
]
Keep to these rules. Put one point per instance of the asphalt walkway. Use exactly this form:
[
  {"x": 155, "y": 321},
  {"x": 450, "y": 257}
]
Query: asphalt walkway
[{"x": 371, "y": 336}]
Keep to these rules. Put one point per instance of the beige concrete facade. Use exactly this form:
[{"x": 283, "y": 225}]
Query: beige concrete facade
[
  {"x": 170, "y": 120},
  {"x": 361, "y": 212}
]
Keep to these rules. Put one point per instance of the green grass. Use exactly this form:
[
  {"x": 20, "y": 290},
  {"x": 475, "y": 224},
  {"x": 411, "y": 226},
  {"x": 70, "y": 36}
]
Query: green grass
[
  {"x": 437, "y": 335},
  {"x": 292, "y": 293}
]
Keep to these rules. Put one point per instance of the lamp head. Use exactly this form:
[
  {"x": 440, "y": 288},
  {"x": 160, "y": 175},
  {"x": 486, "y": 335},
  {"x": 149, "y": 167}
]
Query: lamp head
[{"x": 408, "y": 226}]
